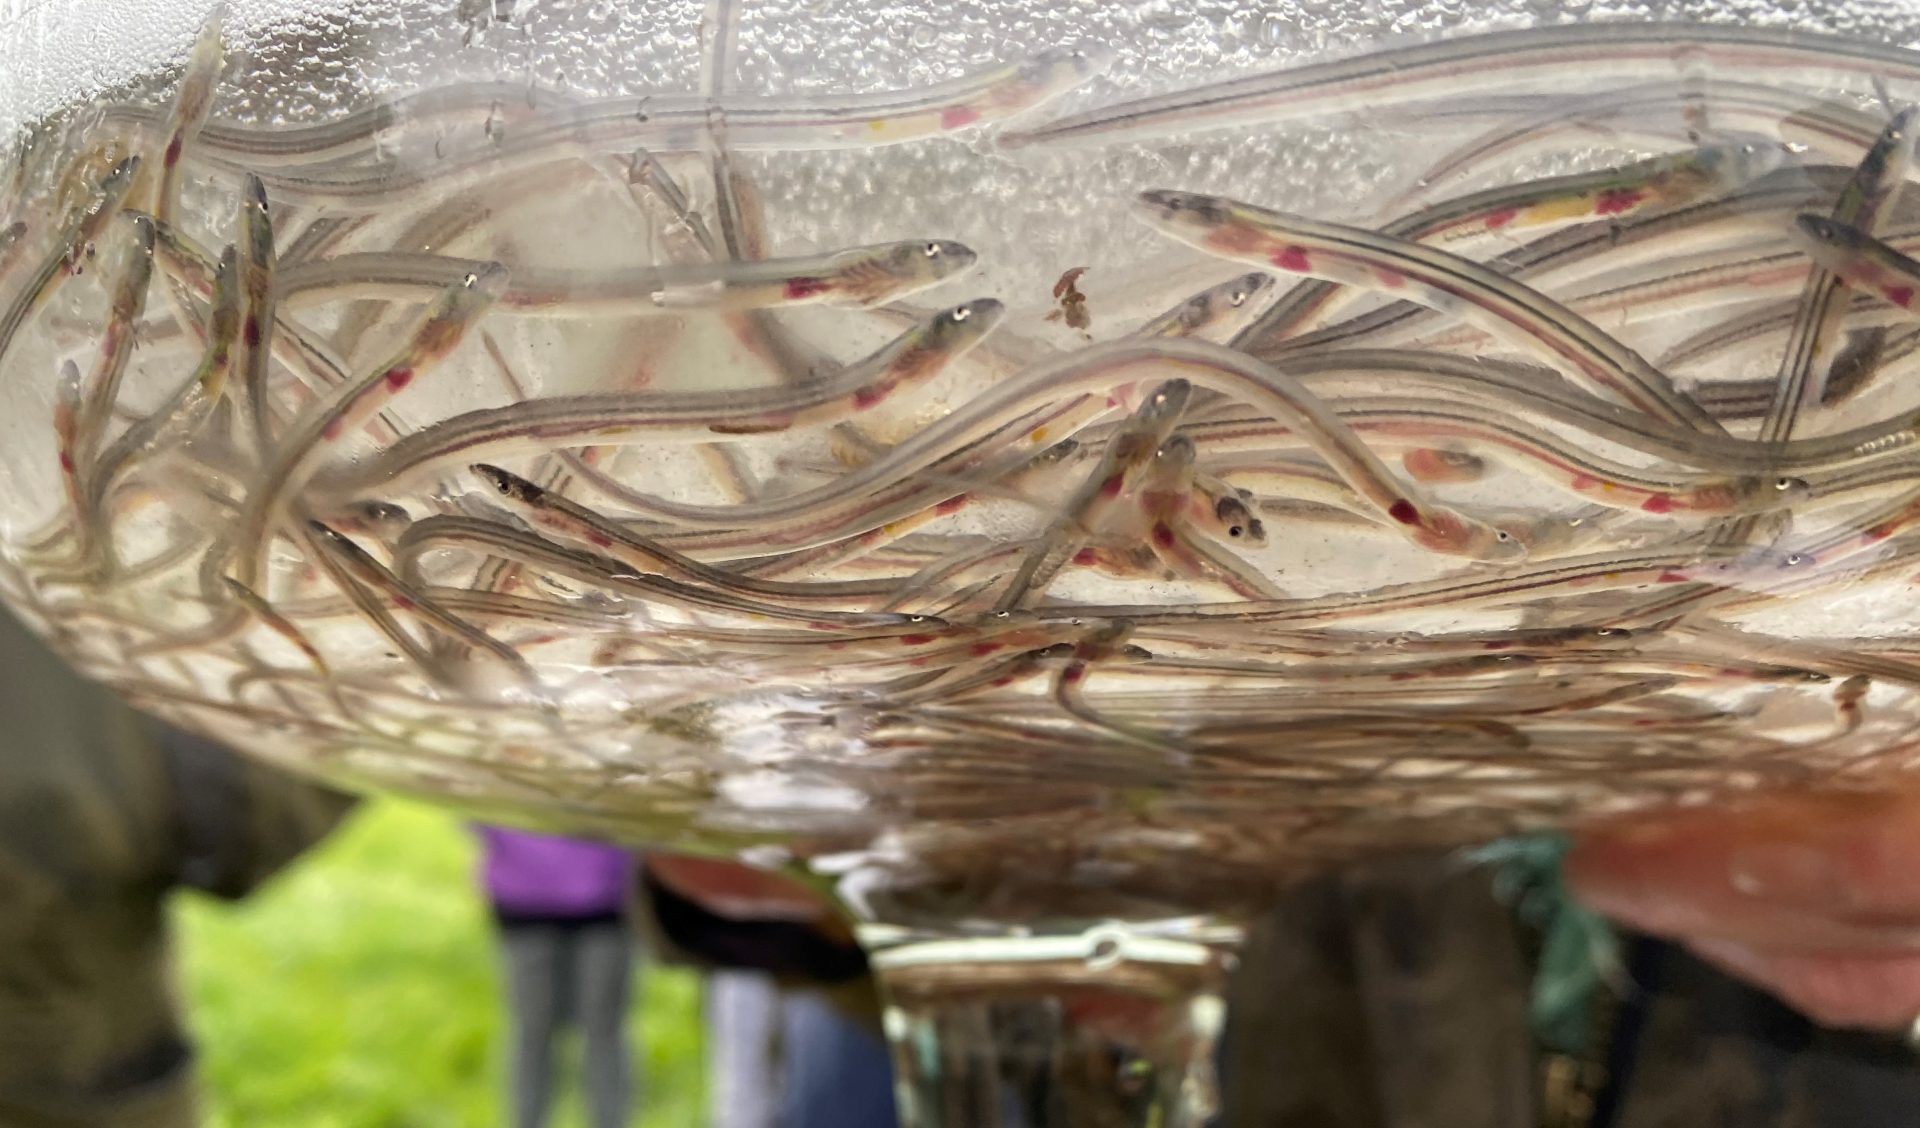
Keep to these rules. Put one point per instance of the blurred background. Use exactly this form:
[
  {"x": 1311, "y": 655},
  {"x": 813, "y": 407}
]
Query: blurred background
[{"x": 386, "y": 1007}]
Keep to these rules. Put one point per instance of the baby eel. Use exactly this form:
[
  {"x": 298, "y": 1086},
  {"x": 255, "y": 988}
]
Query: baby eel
[
  {"x": 555, "y": 514},
  {"x": 620, "y": 125},
  {"x": 490, "y": 538},
  {"x": 1104, "y": 645},
  {"x": 264, "y": 611},
  {"x": 1573, "y": 254},
  {"x": 329, "y": 552},
  {"x": 438, "y": 332},
  {"x": 1775, "y": 318},
  {"x": 1855, "y": 535},
  {"x": 1598, "y": 479},
  {"x": 1802, "y": 373},
  {"x": 1172, "y": 502},
  {"x": 588, "y": 131},
  {"x": 175, "y": 421},
  {"x": 858, "y": 278},
  {"x": 1443, "y": 68},
  {"x": 1211, "y": 308},
  {"x": 1121, "y": 462},
  {"x": 1297, "y": 478},
  {"x": 257, "y": 303},
  {"x": 1225, "y": 512},
  {"x": 1594, "y": 572},
  {"x": 897, "y": 513},
  {"x": 1521, "y": 391},
  {"x": 345, "y": 563},
  {"x": 1712, "y": 285},
  {"x": 1434, "y": 278},
  {"x": 1322, "y": 643},
  {"x": 67, "y": 413},
  {"x": 1861, "y": 261},
  {"x": 188, "y": 114},
  {"x": 1642, "y": 110},
  {"x": 126, "y": 303},
  {"x": 183, "y": 412},
  {"x": 554, "y": 621},
  {"x": 1667, "y": 181},
  {"x": 368, "y": 573},
  {"x": 352, "y": 136},
  {"x": 643, "y": 417},
  {"x": 70, "y": 252}
]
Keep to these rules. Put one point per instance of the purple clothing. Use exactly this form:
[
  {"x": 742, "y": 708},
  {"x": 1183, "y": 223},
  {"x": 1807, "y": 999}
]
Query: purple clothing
[{"x": 541, "y": 876}]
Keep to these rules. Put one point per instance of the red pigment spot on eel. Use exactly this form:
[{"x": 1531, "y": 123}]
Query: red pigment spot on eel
[
  {"x": 1614, "y": 201},
  {"x": 1291, "y": 258}
]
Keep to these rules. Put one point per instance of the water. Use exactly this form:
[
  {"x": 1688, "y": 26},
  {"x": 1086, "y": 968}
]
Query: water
[{"x": 1179, "y": 711}]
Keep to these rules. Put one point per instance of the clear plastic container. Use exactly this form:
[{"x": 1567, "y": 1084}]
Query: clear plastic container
[{"x": 908, "y": 445}]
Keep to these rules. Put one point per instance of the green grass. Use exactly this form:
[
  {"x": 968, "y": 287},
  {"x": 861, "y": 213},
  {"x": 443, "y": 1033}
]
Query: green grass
[{"x": 359, "y": 990}]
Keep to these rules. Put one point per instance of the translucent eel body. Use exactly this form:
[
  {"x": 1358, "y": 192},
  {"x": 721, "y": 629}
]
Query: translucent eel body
[{"x": 1384, "y": 78}]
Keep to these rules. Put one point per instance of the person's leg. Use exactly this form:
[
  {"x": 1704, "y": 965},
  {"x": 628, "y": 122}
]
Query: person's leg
[
  {"x": 743, "y": 1017},
  {"x": 603, "y": 974},
  {"x": 532, "y": 957},
  {"x": 837, "y": 1074}
]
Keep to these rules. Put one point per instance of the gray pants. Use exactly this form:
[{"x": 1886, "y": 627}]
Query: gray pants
[
  {"x": 558, "y": 973},
  {"x": 743, "y": 1032}
]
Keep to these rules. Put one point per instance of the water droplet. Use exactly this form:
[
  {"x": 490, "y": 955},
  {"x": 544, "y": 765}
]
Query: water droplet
[
  {"x": 1161, "y": 14},
  {"x": 923, "y": 36}
]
